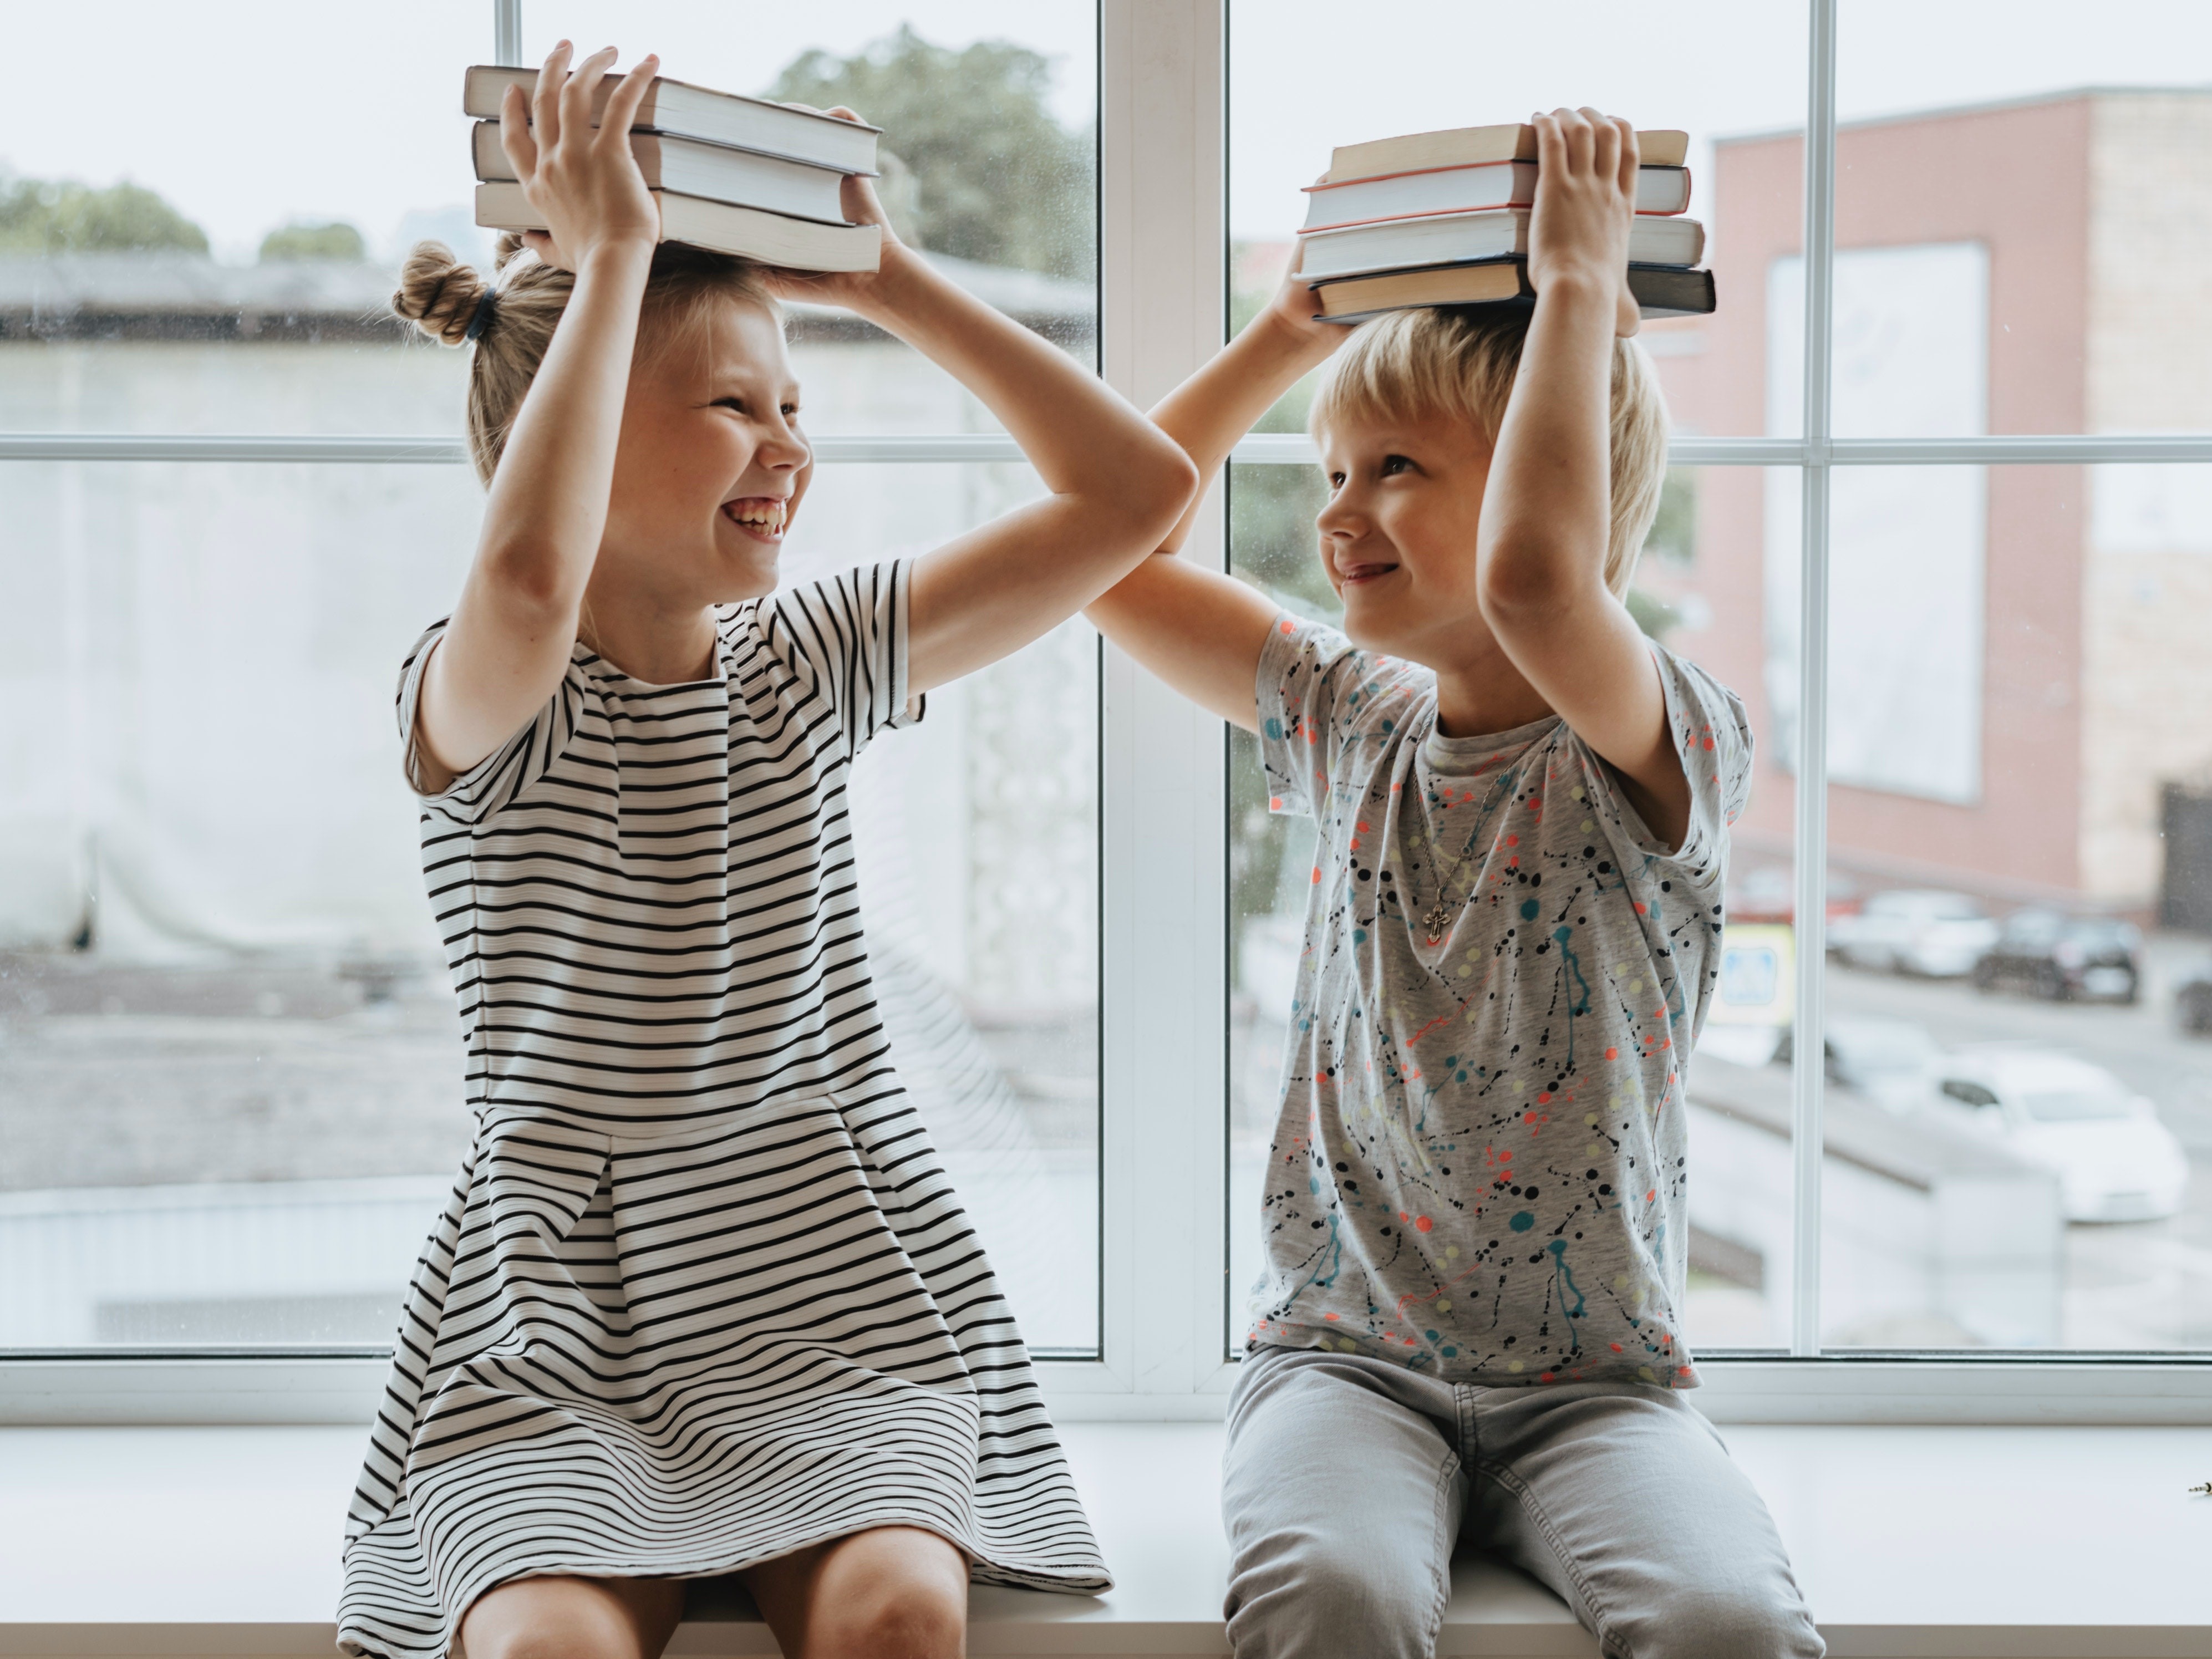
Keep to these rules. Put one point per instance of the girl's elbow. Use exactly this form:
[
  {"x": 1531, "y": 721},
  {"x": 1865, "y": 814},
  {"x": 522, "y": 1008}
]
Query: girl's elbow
[
  {"x": 1171, "y": 479},
  {"x": 524, "y": 579}
]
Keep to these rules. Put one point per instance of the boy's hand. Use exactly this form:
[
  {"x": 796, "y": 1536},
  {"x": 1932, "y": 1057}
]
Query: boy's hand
[
  {"x": 1586, "y": 168},
  {"x": 583, "y": 178},
  {"x": 855, "y": 290},
  {"x": 1293, "y": 305}
]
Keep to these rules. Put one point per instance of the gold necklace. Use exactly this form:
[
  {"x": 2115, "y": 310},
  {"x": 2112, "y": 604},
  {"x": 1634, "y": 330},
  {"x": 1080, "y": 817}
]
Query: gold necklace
[{"x": 1440, "y": 914}]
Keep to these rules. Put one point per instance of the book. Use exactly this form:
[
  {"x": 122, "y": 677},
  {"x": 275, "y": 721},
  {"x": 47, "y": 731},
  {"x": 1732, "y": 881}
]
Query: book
[
  {"x": 1466, "y": 189},
  {"x": 1458, "y": 238},
  {"x": 691, "y": 167},
  {"x": 771, "y": 238},
  {"x": 1466, "y": 146},
  {"x": 1658, "y": 290},
  {"x": 683, "y": 111}
]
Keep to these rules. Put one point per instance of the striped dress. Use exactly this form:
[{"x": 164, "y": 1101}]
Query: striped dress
[{"x": 702, "y": 1295}]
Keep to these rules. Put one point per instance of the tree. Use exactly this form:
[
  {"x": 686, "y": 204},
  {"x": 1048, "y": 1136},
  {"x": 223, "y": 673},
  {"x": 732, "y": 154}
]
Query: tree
[
  {"x": 60, "y": 215},
  {"x": 976, "y": 166},
  {"x": 335, "y": 240}
]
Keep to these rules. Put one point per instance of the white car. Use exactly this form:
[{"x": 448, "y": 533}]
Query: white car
[
  {"x": 2114, "y": 1160},
  {"x": 1915, "y": 930}
]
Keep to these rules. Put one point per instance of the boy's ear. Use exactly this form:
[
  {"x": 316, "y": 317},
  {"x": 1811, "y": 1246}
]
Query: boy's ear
[{"x": 1627, "y": 316}]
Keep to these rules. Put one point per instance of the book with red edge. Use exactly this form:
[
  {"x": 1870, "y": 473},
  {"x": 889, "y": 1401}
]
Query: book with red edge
[
  {"x": 1659, "y": 191},
  {"x": 1439, "y": 239}
]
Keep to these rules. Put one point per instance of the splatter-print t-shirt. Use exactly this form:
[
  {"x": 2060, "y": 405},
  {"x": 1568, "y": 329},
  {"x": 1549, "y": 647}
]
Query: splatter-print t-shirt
[{"x": 1480, "y": 1167}]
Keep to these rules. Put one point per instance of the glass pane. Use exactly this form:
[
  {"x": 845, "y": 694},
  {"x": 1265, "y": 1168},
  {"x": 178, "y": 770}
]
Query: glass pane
[
  {"x": 1688, "y": 594},
  {"x": 1722, "y": 67},
  {"x": 230, "y": 1084},
  {"x": 989, "y": 111},
  {"x": 148, "y": 282},
  {"x": 2020, "y": 1105},
  {"x": 2015, "y": 218},
  {"x": 153, "y": 278}
]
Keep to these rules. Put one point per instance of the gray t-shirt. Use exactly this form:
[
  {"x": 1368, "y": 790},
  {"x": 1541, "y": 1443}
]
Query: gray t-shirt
[{"x": 1478, "y": 1170}]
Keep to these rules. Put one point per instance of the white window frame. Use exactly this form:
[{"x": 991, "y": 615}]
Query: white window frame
[{"x": 1163, "y": 246}]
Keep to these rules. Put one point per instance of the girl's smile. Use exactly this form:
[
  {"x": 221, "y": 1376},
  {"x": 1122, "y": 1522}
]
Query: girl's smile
[{"x": 764, "y": 517}]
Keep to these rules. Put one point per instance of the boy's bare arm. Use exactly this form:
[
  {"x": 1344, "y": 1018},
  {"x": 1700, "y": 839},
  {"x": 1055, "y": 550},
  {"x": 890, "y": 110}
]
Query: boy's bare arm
[
  {"x": 1198, "y": 630},
  {"x": 1547, "y": 511}
]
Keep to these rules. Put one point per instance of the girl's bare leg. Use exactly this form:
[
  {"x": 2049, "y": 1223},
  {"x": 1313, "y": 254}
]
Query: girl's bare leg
[
  {"x": 573, "y": 1619},
  {"x": 887, "y": 1593}
]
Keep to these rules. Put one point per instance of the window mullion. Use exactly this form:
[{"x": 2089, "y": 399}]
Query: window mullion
[
  {"x": 1161, "y": 316},
  {"x": 1808, "y": 1045},
  {"x": 506, "y": 33}
]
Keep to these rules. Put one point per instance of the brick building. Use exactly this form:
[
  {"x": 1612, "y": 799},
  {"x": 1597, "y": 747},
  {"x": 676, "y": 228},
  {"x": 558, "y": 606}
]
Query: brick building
[{"x": 2021, "y": 653}]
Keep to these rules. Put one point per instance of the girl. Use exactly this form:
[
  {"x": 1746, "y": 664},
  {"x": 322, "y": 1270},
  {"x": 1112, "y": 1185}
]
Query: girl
[{"x": 703, "y": 1301}]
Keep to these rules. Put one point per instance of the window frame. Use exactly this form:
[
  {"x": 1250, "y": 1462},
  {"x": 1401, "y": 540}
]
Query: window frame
[{"x": 1165, "y": 1210}]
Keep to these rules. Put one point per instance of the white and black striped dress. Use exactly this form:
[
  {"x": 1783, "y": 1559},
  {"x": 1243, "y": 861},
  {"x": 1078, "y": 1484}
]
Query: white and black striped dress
[{"x": 702, "y": 1295}]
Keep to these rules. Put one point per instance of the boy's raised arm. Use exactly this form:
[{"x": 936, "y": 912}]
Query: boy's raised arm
[
  {"x": 1197, "y": 630},
  {"x": 1547, "y": 511}
]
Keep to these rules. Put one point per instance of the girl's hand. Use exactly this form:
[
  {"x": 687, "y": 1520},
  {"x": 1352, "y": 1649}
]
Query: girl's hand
[
  {"x": 1586, "y": 168},
  {"x": 583, "y": 178},
  {"x": 855, "y": 290}
]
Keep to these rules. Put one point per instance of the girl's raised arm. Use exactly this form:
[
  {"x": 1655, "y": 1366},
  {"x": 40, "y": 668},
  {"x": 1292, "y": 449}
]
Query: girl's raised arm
[
  {"x": 1117, "y": 484},
  {"x": 508, "y": 643}
]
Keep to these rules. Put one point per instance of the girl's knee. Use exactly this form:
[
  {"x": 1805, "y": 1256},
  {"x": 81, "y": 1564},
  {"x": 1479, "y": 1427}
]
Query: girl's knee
[{"x": 906, "y": 1620}]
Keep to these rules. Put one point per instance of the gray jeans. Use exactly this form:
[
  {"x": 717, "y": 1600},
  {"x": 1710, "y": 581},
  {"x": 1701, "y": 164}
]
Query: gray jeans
[{"x": 1347, "y": 1481}]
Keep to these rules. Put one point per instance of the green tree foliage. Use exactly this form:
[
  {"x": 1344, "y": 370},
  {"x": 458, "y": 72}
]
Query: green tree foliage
[
  {"x": 60, "y": 215},
  {"x": 302, "y": 241},
  {"x": 976, "y": 165}
]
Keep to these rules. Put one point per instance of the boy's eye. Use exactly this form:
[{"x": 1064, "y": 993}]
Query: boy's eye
[
  {"x": 737, "y": 404},
  {"x": 1336, "y": 480},
  {"x": 1393, "y": 465}
]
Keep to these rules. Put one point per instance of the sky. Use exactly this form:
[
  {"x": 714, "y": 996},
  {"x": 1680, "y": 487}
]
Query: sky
[{"x": 249, "y": 113}]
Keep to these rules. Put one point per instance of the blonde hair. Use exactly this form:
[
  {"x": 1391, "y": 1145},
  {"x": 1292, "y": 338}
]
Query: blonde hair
[
  {"x": 440, "y": 295},
  {"x": 1439, "y": 361}
]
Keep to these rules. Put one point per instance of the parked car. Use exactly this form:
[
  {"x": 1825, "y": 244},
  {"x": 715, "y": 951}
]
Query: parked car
[
  {"x": 2193, "y": 1000},
  {"x": 2114, "y": 1160},
  {"x": 1914, "y": 931},
  {"x": 1892, "y": 1062},
  {"x": 2054, "y": 955},
  {"x": 1768, "y": 892}
]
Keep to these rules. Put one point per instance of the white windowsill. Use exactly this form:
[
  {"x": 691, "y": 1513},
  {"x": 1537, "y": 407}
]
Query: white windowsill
[{"x": 2038, "y": 1543}]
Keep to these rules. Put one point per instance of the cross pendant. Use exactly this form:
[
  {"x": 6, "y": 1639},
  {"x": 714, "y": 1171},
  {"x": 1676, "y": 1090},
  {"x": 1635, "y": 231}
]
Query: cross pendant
[{"x": 1435, "y": 921}]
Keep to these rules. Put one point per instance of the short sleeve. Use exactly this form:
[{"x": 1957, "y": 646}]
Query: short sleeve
[
  {"x": 1711, "y": 732},
  {"x": 847, "y": 637},
  {"x": 496, "y": 780},
  {"x": 1316, "y": 692}
]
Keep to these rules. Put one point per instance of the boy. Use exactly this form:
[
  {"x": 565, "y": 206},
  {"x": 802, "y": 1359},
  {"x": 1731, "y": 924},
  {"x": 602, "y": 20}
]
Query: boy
[{"x": 1475, "y": 1219}]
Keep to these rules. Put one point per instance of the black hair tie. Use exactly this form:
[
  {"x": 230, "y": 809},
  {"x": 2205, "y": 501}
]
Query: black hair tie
[{"x": 481, "y": 320}]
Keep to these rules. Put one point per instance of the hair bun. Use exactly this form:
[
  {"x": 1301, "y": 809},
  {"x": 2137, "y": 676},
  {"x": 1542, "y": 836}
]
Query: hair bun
[{"x": 437, "y": 293}]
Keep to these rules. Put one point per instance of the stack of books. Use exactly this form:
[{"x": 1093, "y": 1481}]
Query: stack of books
[
  {"x": 1442, "y": 219},
  {"x": 736, "y": 175}
]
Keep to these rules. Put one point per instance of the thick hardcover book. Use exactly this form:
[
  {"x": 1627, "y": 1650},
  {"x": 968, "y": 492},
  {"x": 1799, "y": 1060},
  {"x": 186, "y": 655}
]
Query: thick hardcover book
[
  {"x": 1659, "y": 291},
  {"x": 1466, "y": 146},
  {"x": 771, "y": 238},
  {"x": 716, "y": 171},
  {"x": 1466, "y": 190},
  {"x": 720, "y": 118},
  {"x": 1460, "y": 238}
]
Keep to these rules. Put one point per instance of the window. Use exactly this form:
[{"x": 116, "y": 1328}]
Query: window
[
  {"x": 2001, "y": 1142},
  {"x": 229, "y": 1084},
  {"x": 1953, "y": 1112}
]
